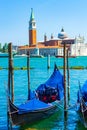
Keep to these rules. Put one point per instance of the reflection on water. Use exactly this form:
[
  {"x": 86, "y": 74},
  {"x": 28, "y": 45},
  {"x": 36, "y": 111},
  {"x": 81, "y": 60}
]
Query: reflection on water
[
  {"x": 48, "y": 123},
  {"x": 57, "y": 122}
]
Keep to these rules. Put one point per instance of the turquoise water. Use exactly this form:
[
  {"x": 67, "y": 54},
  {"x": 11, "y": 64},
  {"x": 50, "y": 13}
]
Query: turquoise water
[{"x": 39, "y": 75}]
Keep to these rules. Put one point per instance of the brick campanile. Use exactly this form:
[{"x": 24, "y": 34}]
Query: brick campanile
[{"x": 32, "y": 30}]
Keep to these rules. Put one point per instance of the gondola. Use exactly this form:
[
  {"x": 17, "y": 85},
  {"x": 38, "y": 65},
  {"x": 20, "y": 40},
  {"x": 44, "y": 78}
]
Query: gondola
[
  {"x": 82, "y": 103},
  {"x": 47, "y": 97},
  {"x": 29, "y": 112}
]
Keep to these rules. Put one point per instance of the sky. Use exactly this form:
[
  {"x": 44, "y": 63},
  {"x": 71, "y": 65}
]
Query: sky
[{"x": 50, "y": 17}]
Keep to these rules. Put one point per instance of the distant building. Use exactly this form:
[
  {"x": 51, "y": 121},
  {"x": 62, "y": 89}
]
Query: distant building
[
  {"x": 52, "y": 46},
  {"x": 79, "y": 48}
]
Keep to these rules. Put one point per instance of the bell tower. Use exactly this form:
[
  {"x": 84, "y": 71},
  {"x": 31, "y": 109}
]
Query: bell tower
[{"x": 32, "y": 29}]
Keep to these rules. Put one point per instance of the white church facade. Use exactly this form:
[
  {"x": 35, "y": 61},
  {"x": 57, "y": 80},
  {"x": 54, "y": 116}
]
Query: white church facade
[{"x": 79, "y": 48}]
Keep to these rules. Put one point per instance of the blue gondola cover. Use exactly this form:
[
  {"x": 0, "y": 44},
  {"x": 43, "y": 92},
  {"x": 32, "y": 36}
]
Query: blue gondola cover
[
  {"x": 54, "y": 83},
  {"x": 32, "y": 105}
]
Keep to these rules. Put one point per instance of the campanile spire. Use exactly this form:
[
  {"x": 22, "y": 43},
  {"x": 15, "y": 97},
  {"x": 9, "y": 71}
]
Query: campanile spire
[
  {"x": 32, "y": 15},
  {"x": 32, "y": 29}
]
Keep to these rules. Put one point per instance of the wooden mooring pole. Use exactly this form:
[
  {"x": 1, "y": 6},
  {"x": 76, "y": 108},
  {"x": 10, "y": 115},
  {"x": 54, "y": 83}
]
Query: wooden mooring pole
[
  {"x": 48, "y": 61},
  {"x": 11, "y": 72},
  {"x": 68, "y": 77},
  {"x": 10, "y": 84},
  {"x": 28, "y": 73},
  {"x": 65, "y": 98}
]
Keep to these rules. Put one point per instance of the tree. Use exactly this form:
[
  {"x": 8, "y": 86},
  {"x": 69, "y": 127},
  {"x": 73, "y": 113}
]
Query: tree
[
  {"x": 5, "y": 47},
  {"x": 0, "y": 46}
]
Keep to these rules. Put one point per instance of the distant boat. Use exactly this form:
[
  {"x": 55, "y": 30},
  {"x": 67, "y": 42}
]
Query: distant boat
[
  {"x": 20, "y": 56},
  {"x": 3, "y": 55},
  {"x": 82, "y": 103},
  {"x": 24, "y": 55},
  {"x": 60, "y": 56},
  {"x": 36, "y": 56},
  {"x": 45, "y": 102}
]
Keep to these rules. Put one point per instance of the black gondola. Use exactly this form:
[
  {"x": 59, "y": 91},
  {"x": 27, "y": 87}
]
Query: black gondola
[
  {"x": 82, "y": 103},
  {"x": 36, "y": 108}
]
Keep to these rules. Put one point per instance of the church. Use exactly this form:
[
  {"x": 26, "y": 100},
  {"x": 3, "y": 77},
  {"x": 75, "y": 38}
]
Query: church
[{"x": 52, "y": 47}]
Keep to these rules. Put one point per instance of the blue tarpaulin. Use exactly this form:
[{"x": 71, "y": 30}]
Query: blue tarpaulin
[
  {"x": 55, "y": 81},
  {"x": 32, "y": 105}
]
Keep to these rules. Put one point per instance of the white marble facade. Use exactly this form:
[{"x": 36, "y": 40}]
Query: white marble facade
[{"x": 79, "y": 48}]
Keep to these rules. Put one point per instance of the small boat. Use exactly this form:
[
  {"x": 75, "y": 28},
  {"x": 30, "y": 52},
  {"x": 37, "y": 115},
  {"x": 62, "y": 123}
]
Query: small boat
[
  {"x": 20, "y": 56},
  {"x": 6, "y": 54},
  {"x": 43, "y": 102},
  {"x": 60, "y": 56},
  {"x": 3, "y": 55},
  {"x": 36, "y": 56},
  {"x": 25, "y": 55},
  {"x": 82, "y": 103}
]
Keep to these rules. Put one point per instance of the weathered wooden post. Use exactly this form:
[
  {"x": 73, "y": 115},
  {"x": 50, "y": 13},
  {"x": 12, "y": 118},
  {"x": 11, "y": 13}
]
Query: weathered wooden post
[
  {"x": 11, "y": 72},
  {"x": 8, "y": 121},
  {"x": 68, "y": 76},
  {"x": 28, "y": 73},
  {"x": 62, "y": 35},
  {"x": 48, "y": 61},
  {"x": 9, "y": 75},
  {"x": 10, "y": 83},
  {"x": 65, "y": 40},
  {"x": 65, "y": 97}
]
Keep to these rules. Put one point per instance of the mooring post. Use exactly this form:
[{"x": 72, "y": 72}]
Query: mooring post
[
  {"x": 28, "y": 73},
  {"x": 68, "y": 76},
  {"x": 11, "y": 72},
  {"x": 62, "y": 35},
  {"x": 10, "y": 84},
  {"x": 48, "y": 61},
  {"x": 65, "y": 122},
  {"x": 65, "y": 98}
]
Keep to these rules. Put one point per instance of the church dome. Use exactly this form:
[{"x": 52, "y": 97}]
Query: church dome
[{"x": 62, "y": 34}]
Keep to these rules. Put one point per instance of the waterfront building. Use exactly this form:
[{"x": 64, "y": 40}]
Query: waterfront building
[
  {"x": 50, "y": 47},
  {"x": 79, "y": 48}
]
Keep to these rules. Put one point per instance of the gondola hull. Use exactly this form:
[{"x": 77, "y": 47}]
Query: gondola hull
[
  {"x": 82, "y": 101},
  {"x": 31, "y": 117},
  {"x": 82, "y": 112}
]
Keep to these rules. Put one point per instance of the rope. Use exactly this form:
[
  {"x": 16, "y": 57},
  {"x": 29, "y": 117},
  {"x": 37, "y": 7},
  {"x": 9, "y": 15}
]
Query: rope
[
  {"x": 10, "y": 113},
  {"x": 82, "y": 109},
  {"x": 71, "y": 107},
  {"x": 85, "y": 107},
  {"x": 61, "y": 107}
]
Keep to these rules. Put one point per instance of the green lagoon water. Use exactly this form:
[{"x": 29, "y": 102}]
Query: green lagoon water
[{"x": 38, "y": 75}]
